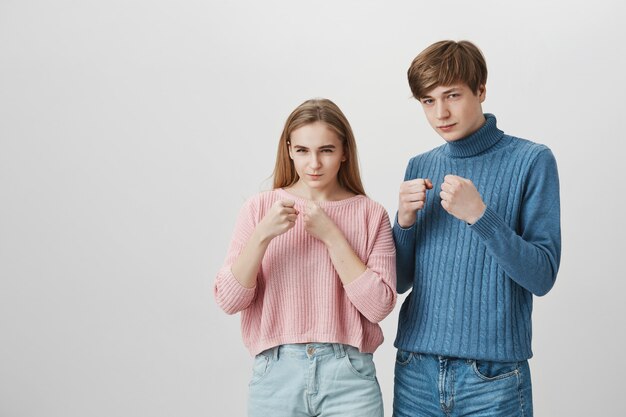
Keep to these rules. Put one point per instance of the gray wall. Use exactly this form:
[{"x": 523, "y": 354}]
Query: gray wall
[{"x": 131, "y": 132}]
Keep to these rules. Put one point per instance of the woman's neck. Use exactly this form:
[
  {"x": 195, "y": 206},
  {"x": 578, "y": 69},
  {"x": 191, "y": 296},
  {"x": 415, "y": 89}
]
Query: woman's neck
[{"x": 333, "y": 193}]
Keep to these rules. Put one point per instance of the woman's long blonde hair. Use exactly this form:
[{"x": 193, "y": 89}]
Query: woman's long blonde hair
[{"x": 311, "y": 111}]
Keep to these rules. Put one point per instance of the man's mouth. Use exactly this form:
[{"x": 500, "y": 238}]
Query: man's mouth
[{"x": 446, "y": 127}]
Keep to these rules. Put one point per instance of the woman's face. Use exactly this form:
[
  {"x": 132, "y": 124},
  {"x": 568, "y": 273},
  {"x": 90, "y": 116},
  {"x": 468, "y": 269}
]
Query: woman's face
[{"x": 317, "y": 154}]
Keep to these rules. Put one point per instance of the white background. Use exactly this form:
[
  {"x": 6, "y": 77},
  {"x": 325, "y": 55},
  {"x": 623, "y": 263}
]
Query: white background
[{"x": 131, "y": 131}]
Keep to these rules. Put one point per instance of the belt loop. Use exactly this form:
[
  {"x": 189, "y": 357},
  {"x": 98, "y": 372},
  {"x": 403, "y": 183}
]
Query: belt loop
[
  {"x": 340, "y": 352},
  {"x": 275, "y": 353}
]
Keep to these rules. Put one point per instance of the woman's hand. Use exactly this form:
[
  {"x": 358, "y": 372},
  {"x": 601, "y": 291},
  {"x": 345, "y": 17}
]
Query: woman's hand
[
  {"x": 318, "y": 224},
  {"x": 346, "y": 262},
  {"x": 279, "y": 219}
]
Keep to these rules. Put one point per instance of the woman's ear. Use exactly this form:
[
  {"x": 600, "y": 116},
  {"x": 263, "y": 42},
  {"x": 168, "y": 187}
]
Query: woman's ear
[{"x": 289, "y": 149}]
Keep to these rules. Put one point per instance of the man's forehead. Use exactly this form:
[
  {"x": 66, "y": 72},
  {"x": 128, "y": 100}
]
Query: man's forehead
[{"x": 445, "y": 89}]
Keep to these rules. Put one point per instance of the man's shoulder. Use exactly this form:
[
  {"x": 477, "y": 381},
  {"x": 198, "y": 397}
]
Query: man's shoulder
[
  {"x": 433, "y": 153},
  {"x": 527, "y": 147}
]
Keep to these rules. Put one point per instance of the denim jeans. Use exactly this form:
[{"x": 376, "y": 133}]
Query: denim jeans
[
  {"x": 315, "y": 379},
  {"x": 428, "y": 385}
]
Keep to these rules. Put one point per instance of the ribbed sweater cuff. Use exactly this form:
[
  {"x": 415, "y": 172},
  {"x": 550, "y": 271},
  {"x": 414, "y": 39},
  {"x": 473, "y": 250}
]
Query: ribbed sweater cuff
[
  {"x": 401, "y": 235},
  {"x": 231, "y": 295},
  {"x": 488, "y": 224},
  {"x": 363, "y": 294}
]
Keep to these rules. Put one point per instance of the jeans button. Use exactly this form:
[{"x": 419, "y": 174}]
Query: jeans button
[{"x": 310, "y": 350}]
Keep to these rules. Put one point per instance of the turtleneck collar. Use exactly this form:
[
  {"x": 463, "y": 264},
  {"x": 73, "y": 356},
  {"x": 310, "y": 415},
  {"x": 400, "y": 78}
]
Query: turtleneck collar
[{"x": 478, "y": 142}]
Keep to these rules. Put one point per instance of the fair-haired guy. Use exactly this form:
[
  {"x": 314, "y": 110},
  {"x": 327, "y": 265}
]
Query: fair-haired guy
[{"x": 477, "y": 235}]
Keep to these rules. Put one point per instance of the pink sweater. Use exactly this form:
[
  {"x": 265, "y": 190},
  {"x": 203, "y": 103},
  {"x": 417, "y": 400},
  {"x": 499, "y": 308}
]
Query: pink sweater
[{"x": 299, "y": 297}]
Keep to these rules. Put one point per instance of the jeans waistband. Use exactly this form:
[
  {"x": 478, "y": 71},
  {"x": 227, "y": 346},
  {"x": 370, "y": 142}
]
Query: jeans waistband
[{"x": 307, "y": 350}]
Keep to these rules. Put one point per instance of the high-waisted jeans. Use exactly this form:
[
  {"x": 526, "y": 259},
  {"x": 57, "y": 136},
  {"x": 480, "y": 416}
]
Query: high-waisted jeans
[{"x": 315, "y": 379}]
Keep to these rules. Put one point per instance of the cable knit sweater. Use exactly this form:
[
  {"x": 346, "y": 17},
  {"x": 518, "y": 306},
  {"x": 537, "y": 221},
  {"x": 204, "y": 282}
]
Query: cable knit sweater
[
  {"x": 298, "y": 297},
  {"x": 473, "y": 285}
]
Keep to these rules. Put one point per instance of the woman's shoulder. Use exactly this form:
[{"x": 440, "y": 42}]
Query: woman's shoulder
[
  {"x": 374, "y": 208},
  {"x": 259, "y": 200}
]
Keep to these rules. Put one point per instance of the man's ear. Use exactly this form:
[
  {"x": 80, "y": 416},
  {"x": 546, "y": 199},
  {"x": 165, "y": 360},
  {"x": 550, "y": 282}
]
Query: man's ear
[{"x": 482, "y": 92}]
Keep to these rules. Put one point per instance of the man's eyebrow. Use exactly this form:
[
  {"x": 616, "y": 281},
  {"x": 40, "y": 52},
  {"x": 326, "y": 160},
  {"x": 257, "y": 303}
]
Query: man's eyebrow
[{"x": 448, "y": 91}]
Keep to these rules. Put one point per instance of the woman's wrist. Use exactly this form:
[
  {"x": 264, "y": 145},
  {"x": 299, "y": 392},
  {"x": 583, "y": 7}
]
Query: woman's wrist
[
  {"x": 261, "y": 237},
  {"x": 334, "y": 238}
]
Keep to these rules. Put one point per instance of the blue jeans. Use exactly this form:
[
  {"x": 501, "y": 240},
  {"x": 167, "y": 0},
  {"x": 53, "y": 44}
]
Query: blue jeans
[
  {"x": 428, "y": 385},
  {"x": 315, "y": 379}
]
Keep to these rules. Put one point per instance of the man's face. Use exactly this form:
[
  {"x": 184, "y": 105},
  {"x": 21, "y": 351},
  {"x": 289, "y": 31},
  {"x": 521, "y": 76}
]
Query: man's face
[{"x": 454, "y": 111}]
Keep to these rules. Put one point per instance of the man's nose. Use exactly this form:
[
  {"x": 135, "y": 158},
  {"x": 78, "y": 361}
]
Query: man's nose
[{"x": 441, "y": 110}]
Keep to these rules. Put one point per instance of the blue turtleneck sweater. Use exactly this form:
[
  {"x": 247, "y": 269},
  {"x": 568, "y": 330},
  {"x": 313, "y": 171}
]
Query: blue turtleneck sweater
[{"x": 473, "y": 284}]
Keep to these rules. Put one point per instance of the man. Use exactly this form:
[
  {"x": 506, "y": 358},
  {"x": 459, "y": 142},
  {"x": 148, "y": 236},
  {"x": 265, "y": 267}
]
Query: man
[{"x": 477, "y": 235}]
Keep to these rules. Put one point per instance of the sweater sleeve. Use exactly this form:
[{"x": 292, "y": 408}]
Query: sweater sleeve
[
  {"x": 531, "y": 258},
  {"x": 373, "y": 293},
  {"x": 404, "y": 239},
  {"x": 405, "y": 256},
  {"x": 229, "y": 294}
]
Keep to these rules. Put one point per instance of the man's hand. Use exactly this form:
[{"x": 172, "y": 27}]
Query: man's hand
[
  {"x": 460, "y": 198},
  {"x": 412, "y": 198}
]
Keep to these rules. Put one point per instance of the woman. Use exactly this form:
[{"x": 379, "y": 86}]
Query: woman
[{"x": 311, "y": 267}]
